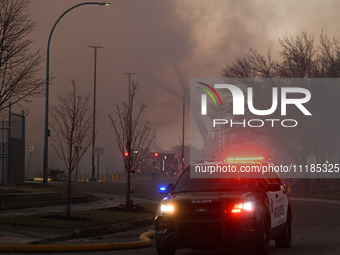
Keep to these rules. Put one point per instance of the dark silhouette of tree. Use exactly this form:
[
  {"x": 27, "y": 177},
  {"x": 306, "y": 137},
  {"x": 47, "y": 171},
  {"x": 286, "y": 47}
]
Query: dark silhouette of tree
[
  {"x": 71, "y": 126},
  {"x": 18, "y": 67},
  {"x": 300, "y": 58},
  {"x": 132, "y": 136}
]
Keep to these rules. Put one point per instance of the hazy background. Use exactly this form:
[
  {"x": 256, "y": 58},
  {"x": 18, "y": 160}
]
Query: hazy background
[{"x": 143, "y": 37}]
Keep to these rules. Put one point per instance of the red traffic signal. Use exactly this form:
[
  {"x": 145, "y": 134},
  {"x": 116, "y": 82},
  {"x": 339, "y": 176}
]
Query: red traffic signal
[
  {"x": 156, "y": 154},
  {"x": 126, "y": 154}
]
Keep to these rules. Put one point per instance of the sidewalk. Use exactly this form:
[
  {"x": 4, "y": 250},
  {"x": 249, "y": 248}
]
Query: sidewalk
[
  {"x": 23, "y": 235},
  {"x": 105, "y": 201}
]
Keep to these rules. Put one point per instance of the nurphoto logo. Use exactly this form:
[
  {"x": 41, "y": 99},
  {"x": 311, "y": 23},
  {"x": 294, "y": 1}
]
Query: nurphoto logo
[{"x": 302, "y": 96}]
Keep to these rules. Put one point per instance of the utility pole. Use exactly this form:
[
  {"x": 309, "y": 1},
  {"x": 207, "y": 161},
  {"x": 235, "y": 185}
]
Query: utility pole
[
  {"x": 129, "y": 92},
  {"x": 128, "y": 144},
  {"x": 94, "y": 110},
  {"x": 78, "y": 149},
  {"x": 182, "y": 158}
]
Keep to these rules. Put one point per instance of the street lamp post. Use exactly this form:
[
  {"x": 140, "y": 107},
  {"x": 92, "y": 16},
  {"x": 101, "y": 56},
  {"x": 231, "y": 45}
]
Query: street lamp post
[
  {"x": 78, "y": 149},
  {"x": 46, "y": 131},
  {"x": 93, "y": 170},
  {"x": 182, "y": 156},
  {"x": 129, "y": 91}
]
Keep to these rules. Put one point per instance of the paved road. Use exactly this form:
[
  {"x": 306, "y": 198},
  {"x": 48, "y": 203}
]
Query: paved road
[
  {"x": 144, "y": 188},
  {"x": 316, "y": 226}
]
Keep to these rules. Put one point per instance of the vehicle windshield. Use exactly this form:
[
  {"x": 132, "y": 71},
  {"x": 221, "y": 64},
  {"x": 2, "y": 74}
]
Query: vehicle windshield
[{"x": 187, "y": 184}]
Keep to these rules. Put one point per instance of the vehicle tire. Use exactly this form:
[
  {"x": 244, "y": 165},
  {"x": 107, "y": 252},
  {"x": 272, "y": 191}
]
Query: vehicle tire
[
  {"x": 262, "y": 247},
  {"x": 164, "y": 251},
  {"x": 284, "y": 240}
]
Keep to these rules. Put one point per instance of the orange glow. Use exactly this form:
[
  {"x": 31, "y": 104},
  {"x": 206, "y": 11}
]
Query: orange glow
[
  {"x": 167, "y": 208},
  {"x": 236, "y": 210},
  {"x": 247, "y": 152},
  {"x": 245, "y": 159}
]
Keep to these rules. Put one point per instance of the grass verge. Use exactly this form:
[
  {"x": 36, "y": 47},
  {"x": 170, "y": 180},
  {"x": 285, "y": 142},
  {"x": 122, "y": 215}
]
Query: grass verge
[
  {"x": 37, "y": 187},
  {"x": 82, "y": 219}
]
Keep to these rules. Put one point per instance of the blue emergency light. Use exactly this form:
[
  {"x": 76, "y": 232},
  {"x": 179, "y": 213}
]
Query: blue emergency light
[{"x": 162, "y": 188}]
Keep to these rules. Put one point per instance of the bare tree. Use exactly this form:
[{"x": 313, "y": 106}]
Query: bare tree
[
  {"x": 132, "y": 137},
  {"x": 18, "y": 67},
  {"x": 299, "y": 59},
  {"x": 71, "y": 125}
]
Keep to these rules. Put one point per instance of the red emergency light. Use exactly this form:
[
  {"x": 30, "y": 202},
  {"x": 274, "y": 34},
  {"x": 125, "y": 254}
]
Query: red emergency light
[{"x": 244, "y": 207}]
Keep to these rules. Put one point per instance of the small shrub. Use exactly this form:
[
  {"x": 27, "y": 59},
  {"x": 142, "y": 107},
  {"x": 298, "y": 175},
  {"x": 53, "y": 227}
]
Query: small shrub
[{"x": 56, "y": 174}]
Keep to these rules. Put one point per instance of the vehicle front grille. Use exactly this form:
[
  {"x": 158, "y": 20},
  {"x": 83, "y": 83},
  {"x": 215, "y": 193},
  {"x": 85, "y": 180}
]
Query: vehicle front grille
[
  {"x": 199, "y": 222},
  {"x": 190, "y": 211}
]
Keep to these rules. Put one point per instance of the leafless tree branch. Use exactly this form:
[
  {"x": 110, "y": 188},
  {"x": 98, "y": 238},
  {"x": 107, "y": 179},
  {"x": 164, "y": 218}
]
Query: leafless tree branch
[
  {"x": 71, "y": 125},
  {"x": 131, "y": 135},
  {"x": 18, "y": 67}
]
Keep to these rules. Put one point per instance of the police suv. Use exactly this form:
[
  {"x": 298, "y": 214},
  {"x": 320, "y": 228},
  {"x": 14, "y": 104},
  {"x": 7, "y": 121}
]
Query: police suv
[{"x": 212, "y": 213}]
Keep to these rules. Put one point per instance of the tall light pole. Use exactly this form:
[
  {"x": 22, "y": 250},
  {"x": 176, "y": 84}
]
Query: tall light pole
[
  {"x": 182, "y": 158},
  {"x": 46, "y": 131},
  {"x": 129, "y": 90},
  {"x": 130, "y": 114},
  {"x": 93, "y": 170}
]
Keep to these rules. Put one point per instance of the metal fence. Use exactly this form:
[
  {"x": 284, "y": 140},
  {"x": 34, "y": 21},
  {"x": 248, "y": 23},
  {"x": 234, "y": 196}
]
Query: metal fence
[{"x": 12, "y": 147}]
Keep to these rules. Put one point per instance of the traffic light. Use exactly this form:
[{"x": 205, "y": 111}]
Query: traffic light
[
  {"x": 156, "y": 154},
  {"x": 126, "y": 154}
]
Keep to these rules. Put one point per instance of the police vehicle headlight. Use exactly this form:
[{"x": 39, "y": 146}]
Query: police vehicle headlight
[
  {"x": 164, "y": 217},
  {"x": 165, "y": 209},
  {"x": 245, "y": 207}
]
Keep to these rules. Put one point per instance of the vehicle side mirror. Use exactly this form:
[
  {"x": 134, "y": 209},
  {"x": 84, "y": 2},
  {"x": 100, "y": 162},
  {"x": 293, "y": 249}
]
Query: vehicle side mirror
[
  {"x": 261, "y": 185},
  {"x": 166, "y": 190},
  {"x": 274, "y": 187}
]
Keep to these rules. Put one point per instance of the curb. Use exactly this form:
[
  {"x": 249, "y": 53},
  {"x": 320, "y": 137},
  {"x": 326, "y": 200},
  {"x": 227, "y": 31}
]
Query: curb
[
  {"x": 317, "y": 200},
  {"x": 99, "y": 230},
  {"x": 112, "y": 228},
  {"x": 144, "y": 242}
]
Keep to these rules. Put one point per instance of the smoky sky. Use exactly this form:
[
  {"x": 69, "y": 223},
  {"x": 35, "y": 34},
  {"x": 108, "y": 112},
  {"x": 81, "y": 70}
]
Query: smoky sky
[{"x": 145, "y": 37}]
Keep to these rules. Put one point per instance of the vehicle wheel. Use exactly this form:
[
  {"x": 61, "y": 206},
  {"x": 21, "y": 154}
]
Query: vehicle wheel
[
  {"x": 284, "y": 240},
  {"x": 164, "y": 251},
  {"x": 262, "y": 247}
]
